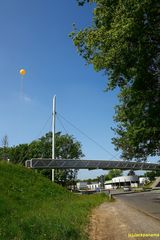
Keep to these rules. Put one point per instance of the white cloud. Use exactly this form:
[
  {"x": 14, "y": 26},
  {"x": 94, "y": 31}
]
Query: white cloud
[{"x": 27, "y": 99}]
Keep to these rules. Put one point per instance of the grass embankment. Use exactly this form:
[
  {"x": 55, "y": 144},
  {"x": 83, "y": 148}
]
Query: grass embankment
[
  {"x": 33, "y": 208},
  {"x": 148, "y": 185}
]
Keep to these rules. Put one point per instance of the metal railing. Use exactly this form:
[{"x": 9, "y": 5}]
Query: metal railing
[{"x": 89, "y": 164}]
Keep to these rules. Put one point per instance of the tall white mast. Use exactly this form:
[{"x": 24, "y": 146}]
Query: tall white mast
[{"x": 53, "y": 132}]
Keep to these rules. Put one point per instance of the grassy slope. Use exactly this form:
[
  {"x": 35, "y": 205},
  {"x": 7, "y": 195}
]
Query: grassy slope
[{"x": 33, "y": 208}]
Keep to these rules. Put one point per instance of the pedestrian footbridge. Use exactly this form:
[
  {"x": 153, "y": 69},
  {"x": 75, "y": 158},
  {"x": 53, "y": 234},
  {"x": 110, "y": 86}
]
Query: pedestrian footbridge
[{"x": 38, "y": 163}]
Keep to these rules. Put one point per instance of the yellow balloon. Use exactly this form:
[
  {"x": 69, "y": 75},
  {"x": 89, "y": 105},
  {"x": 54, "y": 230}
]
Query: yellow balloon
[{"x": 22, "y": 72}]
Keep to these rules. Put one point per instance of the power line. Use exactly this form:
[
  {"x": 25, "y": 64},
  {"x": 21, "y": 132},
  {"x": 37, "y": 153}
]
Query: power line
[
  {"x": 62, "y": 124},
  {"x": 59, "y": 116},
  {"x": 44, "y": 126},
  {"x": 95, "y": 142}
]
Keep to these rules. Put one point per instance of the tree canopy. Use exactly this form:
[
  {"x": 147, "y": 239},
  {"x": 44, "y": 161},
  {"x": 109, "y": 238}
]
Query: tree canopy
[
  {"x": 113, "y": 173},
  {"x": 123, "y": 41},
  {"x": 152, "y": 175},
  {"x": 131, "y": 173}
]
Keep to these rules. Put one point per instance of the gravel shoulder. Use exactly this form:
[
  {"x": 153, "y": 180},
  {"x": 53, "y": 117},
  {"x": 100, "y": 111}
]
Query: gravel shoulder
[{"x": 115, "y": 220}]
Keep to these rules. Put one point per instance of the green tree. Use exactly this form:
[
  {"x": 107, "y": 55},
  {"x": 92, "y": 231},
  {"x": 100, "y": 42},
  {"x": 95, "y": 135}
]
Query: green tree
[
  {"x": 152, "y": 175},
  {"x": 4, "y": 150},
  {"x": 19, "y": 154},
  {"x": 113, "y": 173},
  {"x": 66, "y": 148},
  {"x": 131, "y": 173},
  {"x": 123, "y": 41}
]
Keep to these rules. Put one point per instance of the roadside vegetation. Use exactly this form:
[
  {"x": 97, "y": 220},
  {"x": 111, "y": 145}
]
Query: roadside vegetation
[
  {"x": 66, "y": 147},
  {"x": 32, "y": 207}
]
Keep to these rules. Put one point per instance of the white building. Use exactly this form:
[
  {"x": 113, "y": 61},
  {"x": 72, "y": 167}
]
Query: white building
[
  {"x": 108, "y": 185},
  {"x": 93, "y": 186},
  {"x": 143, "y": 180},
  {"x": 126, "y": 181},
  {"x": 81, "y": 185},
  {"x": 117, "y": 182},
  {"x": 122, "y": 181},
  {"x": 90, "y": 186}
]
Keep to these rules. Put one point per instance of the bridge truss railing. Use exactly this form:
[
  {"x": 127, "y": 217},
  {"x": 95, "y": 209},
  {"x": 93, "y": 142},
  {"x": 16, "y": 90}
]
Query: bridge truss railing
[{"x": 89, "y": 164}]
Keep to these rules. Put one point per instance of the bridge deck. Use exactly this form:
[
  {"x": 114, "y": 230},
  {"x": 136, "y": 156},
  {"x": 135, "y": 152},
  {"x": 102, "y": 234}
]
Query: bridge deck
[{"x": 89, "y": 164}]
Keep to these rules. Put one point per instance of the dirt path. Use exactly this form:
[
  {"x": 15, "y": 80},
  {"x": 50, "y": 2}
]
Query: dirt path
[{"x": 114, "y": 221}]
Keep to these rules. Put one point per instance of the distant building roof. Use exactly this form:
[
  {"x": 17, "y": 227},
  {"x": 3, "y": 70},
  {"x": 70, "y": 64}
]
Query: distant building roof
[
  {"x": 125, "y": 179},
  {"x": 108, "y": 182},
  {"x": 93, "y": 183}
]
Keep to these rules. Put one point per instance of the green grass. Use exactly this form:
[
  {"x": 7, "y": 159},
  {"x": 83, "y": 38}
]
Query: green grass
[
  {"x": 148, "y": 185},
  {"x": 33, "y": 208}
]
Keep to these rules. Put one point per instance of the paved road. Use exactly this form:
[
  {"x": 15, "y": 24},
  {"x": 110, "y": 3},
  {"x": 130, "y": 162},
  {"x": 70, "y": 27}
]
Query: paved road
[
  {"x": 118, "y": 221},
  {"x": 148, "y": 202}
]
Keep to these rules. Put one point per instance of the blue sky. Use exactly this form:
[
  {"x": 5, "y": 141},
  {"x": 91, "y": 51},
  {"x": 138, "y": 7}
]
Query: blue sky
[{"x": 34, "y": 36}]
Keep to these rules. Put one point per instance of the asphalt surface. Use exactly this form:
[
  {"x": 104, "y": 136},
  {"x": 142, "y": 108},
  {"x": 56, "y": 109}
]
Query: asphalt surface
[
  {"x": 147, "y": 202},
  {"x": 119, "y": 221}
]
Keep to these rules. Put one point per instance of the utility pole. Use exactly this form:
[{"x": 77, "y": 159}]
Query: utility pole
[{"x": 53, "y": 132}]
